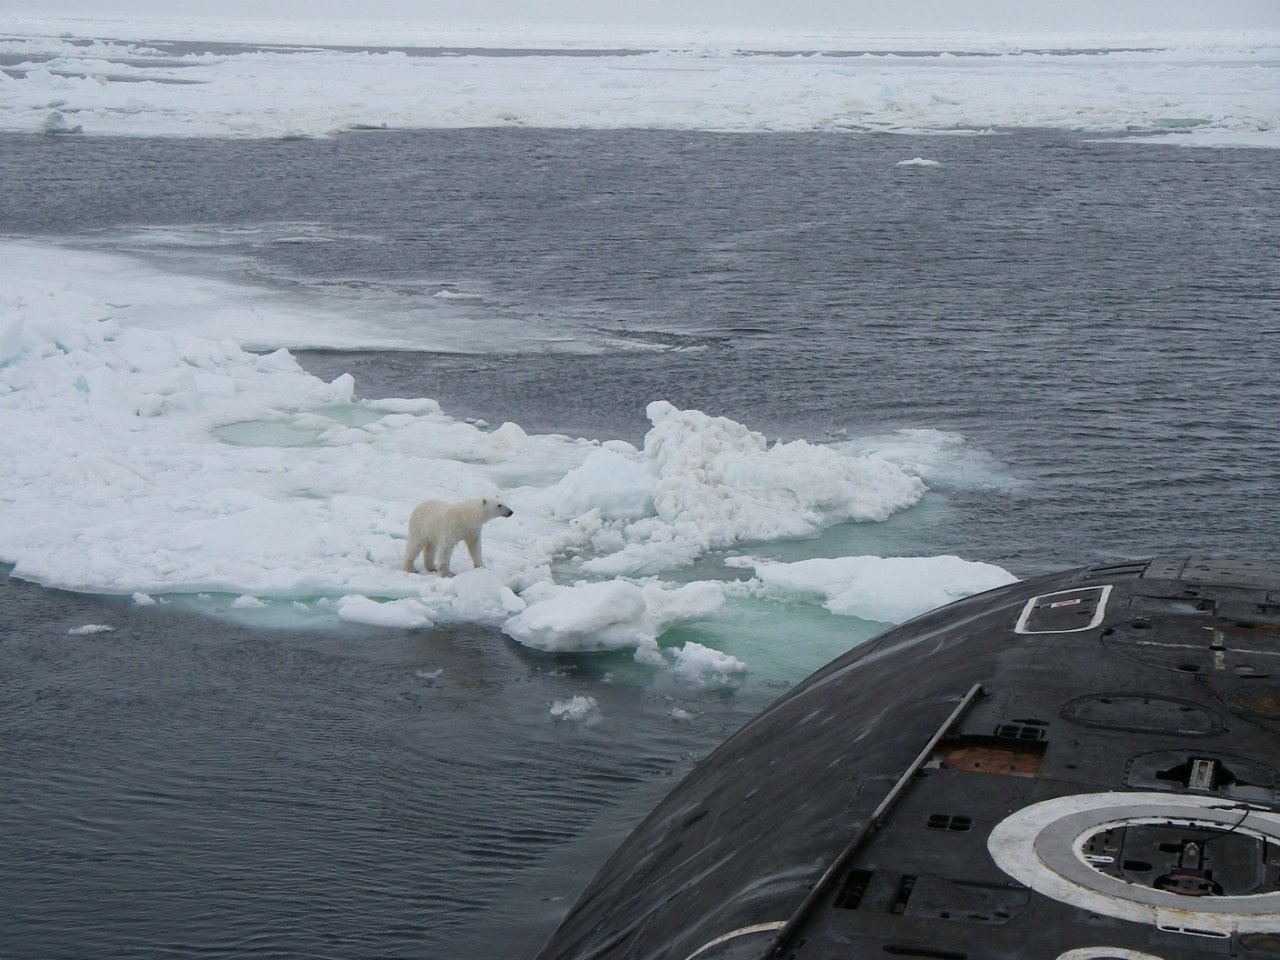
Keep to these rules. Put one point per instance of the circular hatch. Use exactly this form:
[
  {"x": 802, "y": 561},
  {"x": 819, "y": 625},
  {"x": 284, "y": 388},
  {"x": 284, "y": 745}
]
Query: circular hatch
[{"x": 1197, "y": 865}]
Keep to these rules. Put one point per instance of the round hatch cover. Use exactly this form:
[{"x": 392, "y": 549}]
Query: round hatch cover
[{"x": 1198, "y": 865}]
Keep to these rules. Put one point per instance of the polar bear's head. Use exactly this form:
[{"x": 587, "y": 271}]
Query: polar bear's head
[{"x": 494, "y": 508}]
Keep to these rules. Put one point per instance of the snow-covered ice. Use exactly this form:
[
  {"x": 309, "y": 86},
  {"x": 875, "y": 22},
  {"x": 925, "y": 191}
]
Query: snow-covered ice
[
  {"x": 611, "y": 615},
  {"x": 704, "y": 666},
  {"x": 406, "y": 613},
  {"x": 1195, "y": 89},
  {"x": 148, "y": 462},
  {"x": 918, "y": 162},
  {"x": 264, "y": 317},
  {"x": 887, "y": 589}
]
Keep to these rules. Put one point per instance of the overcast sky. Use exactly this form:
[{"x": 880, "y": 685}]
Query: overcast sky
[{"x": 870, "y": 15}]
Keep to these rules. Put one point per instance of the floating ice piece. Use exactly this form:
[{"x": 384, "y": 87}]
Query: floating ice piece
[
  {"x": 611, "y": 615},
  {"x": 576, "y": 709},
  {"x": 56, "y": 124},
  {"x": 707, "y": 667},
  {"x": 247, "y": 602},
  {"x": 918, "y": 162},
  {"x": 89, "y": 628},
  {"x": 884, "y": 589},
  {"x": 588, "y": 617},
  {"x": 407, "y": 614}
]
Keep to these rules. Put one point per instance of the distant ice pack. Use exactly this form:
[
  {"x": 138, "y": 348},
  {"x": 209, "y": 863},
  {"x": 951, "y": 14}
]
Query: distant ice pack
[{"x": 62, "y": 78}]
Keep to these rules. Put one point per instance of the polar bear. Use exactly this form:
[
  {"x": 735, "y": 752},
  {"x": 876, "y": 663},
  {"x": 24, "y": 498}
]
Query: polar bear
[{"x": 436, "y": 527}]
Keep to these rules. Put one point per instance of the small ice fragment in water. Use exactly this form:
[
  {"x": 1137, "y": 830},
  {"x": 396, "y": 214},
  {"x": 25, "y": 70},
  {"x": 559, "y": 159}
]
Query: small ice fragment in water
[
  {"x": 246, "y": 602},
  {"x": 676, "y": 713},
  {"x": 918, "y": 162},
  {"x": 144, "y": 600},
  {"x": 429, "y": 676},
  {"x": 55, "y": 123},
  {"x": 577, "y": 708},
  {"x": 90, "y": 628},
  {"x": 707, "y": 667}
]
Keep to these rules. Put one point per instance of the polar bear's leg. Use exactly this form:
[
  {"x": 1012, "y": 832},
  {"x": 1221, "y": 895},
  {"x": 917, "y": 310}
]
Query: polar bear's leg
[
  {"x": 446, "y": 551},
  {"x": 411, "y": 548},
  {"x": 473, "y": 548},
  {"x": 429, "y": 556}
]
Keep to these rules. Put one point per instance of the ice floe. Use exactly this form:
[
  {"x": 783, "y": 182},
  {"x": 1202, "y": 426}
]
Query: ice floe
[
  {"x": 160, "y": 465},
  {"x": 1205, "y": 89}
]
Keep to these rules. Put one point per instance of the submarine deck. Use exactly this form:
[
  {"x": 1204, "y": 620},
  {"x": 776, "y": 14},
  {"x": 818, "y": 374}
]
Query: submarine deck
[{"x": 1077, "y": 767}]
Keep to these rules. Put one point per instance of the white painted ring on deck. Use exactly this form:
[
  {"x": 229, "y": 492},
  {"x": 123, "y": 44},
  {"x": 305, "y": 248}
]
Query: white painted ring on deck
[
  {"x": 1106, "y": 953},
  {"x": 769, "y": 927},
  {"x": 1041, "y": 847}
]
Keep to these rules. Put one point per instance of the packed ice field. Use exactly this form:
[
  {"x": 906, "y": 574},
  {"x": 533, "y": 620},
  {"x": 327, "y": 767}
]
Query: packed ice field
[
  {"x": 146, "y": 460},
  {"x": 110, "y": 77}
]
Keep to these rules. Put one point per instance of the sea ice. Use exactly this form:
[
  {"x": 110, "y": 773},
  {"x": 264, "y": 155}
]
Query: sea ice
[
  {"x": 90, "y": 628},
  {"x": 55, "y": 123},
  {"x": 942, "y": 459},
  {"x": 149, "y": 462},
  {"x": 918, "y": 162},
  {"x": 405, "y": 614},
  {"x": 884, "y": 589},
  {"x": 1192, "y": 89},
  {"x": 704, "y": 666},
  {"x": 611, "y": 615},
  {"x": 576, "y": 709},
  {"x": 705, "y": 483}
]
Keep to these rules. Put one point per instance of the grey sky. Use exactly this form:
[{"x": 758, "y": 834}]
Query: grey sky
[{"x": 869, "y": 15}]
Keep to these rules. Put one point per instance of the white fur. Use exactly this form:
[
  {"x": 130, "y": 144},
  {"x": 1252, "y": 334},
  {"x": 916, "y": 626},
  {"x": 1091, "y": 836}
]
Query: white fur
[{"x": 436, "y": 527}]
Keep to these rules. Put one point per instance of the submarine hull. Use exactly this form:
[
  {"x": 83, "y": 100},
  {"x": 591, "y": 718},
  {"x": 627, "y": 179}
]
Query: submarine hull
[{"x": 1082, "y": 766}]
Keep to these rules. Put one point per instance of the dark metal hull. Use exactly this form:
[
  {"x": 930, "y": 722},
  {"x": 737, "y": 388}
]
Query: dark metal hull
[{"x": 1077, "y": 767}]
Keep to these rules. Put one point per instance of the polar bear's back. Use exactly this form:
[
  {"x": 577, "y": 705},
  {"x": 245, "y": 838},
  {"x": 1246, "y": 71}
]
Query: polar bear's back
[
  {"x": 428, "y": 511},
  {"x": 435, "y": 519}
]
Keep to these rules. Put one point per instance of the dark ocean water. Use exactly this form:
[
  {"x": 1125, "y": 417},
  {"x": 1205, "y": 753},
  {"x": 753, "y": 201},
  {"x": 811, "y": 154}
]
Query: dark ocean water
[
  {"x": 181, "y": 788},
  {"x": 1103, "y": 319}
]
